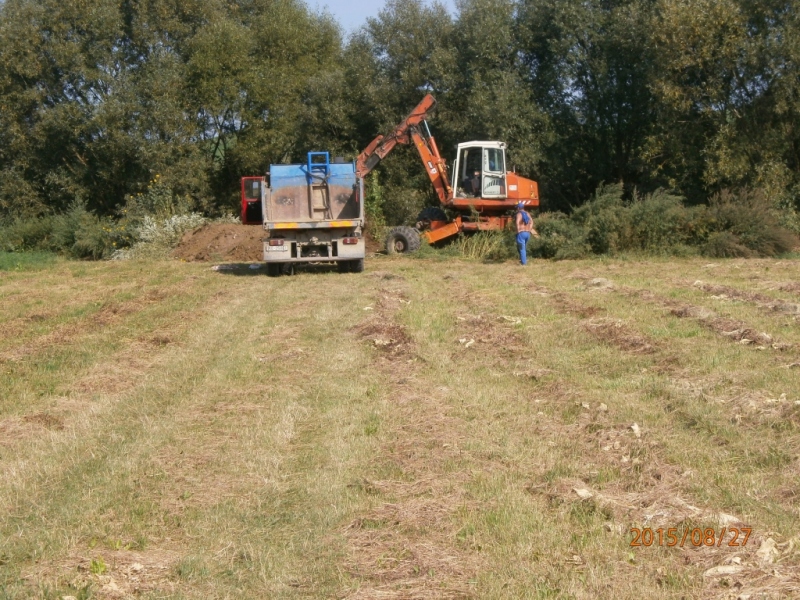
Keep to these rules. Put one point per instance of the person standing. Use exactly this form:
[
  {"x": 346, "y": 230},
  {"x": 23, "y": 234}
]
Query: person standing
[{"x": 524, "y": 223}]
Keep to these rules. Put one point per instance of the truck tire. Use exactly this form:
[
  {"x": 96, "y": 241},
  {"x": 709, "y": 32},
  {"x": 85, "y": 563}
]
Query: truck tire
[
  {"x": 432, "y": 213},
  {"x": 402, "y": 240},
  {"x": 274, "y": 269},
  {"x": 351, "y": 266}
]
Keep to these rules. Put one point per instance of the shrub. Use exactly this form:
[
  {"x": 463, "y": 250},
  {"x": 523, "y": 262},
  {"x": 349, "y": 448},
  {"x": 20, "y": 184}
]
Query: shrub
[
  {"x": 742, "y": 224},
  {"x": 154, "y": 238},
  {"x": 82, "y": 234},
  {"x": 486, "y": 245},
  {"x": 373, "y": 207},
  {"x": 402, "y": 205},
  {"x": 158, "y": 202},
  {"x": 559, "y": 237},
  {"x": 724, "y": 244},
  {"x": 658, "y": 222},
  {"x": 749, "y": 222},
  {"x": 28, "y": 234},
  {"x": 77, "y": 233}
]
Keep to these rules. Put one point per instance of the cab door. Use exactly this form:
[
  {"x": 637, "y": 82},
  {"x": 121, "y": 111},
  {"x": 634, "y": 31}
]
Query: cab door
[
  {"x": 252, "y": 210},
  {"x": 494, "y": 173}
]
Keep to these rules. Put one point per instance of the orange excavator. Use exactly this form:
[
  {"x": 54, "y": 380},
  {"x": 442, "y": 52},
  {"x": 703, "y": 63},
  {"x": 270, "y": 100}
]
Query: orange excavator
[{"x": 481, "y": 193}]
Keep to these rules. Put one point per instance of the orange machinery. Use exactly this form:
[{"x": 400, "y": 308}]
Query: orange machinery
[{"x": 481, "y": 193}]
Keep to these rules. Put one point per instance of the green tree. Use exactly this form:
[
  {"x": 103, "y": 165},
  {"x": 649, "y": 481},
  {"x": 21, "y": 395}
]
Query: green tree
[{"x": 588, "y": 65}]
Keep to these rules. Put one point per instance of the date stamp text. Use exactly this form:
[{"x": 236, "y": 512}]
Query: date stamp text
[{"x": 736, "y": 536}]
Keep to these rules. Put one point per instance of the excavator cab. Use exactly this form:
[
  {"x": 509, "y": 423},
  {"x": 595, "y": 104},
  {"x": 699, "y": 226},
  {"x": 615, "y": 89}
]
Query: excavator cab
[{"x": 480, "y": 170}]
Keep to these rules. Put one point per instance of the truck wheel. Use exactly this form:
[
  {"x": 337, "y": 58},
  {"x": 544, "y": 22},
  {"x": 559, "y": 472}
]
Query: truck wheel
[
  {"x": 402, "y": 240},
  {"x": 274, "y": 269},
  {"x": 431, "y": 213},
  {"x": 351, "y": 266}
]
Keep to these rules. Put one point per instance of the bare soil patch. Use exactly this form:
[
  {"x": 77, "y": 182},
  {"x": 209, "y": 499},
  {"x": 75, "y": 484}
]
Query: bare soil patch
[
  {"x": 381, "y": 330},
  {"x": 791, "y": 286},
  {"x": 222, "y": 242},
  {"x": 114, "y": 574},
  {"x": 45, "y": 420},
  {"x": 617, "y": 333}
]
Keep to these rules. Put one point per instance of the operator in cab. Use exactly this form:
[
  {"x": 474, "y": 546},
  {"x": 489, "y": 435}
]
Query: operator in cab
[
  {"x": 524, "y": 223},
  {"x": 475, "y": 184}
]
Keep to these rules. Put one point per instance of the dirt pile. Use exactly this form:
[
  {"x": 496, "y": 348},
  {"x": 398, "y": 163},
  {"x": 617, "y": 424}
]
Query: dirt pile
[{"x": 222, "y": 242}]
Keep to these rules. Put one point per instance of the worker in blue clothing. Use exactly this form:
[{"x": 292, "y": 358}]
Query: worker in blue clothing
[{"x": 525, "y": 228}]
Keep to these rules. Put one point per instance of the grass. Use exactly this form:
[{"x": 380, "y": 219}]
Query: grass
[
  {"x": 421, "y": 430},
  {"x": 26, "y": 261}
]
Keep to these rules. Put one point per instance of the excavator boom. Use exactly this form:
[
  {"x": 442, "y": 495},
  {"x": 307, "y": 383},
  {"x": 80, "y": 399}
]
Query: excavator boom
[{"x": 411, "y": 130}]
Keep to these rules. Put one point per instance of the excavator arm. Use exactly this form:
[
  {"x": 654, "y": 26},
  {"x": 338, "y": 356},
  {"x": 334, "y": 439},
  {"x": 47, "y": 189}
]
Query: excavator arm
[{"x": 410, "y": 130}]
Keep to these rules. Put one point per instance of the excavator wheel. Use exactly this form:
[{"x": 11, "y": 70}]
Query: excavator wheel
[
  {"x": 402, "y": 240},
  {"x": 431, "y": 213}
]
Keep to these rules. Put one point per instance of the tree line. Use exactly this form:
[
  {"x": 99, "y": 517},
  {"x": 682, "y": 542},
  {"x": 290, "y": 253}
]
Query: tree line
[{"x": 97, "y": 97}]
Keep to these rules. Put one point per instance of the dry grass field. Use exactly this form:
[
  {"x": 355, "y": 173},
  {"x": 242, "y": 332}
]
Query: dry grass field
[{"x": 427, "y": 429}]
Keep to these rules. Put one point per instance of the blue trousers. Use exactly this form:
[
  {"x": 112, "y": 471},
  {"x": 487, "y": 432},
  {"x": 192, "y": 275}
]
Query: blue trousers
[{"x": 522, "y": 241}]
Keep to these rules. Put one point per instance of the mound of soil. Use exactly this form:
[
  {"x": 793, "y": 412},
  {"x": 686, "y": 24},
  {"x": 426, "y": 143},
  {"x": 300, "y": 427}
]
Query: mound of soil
[{"x": 222, "y": 242}]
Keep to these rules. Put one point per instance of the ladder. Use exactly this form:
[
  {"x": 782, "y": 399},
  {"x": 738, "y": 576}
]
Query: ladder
[{"x": 318, "y": 169}]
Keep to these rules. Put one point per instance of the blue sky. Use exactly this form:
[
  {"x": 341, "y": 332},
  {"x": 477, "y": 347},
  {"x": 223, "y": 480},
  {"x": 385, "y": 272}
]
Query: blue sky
[{"x": 352, "y": 14}]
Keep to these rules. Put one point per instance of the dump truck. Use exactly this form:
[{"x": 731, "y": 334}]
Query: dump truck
[
  {"x": 481, "y": 196},
  {"x": 312, "y": 213}
]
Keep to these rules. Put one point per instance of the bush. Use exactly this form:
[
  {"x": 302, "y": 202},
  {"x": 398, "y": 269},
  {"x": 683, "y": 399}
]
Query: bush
[
  {"x": 30, "y": 234},
  {"x": 603, "y": 219},
  {"x": 402, "y": 205},
  {"x": 559, "y": 237},
  {"x": 373, "y": 208},
  {"x": 156, "y": 218},
  {"x": 745, "y": 224},
  {"x": 486, "y": 245},
  {"x": 724, "y": 244},
  {"x": 742, "y": 224},
  {"x": 77, "y": 233},
  {"x": 658, "y": 222},
  {"x": 154, "y": 239},
  {"x": 81, "y": 234},
  {"x": 158, "y": 202}
]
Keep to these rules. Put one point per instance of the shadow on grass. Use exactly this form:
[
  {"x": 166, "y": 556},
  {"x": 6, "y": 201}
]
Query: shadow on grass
[{"x": 260, "y": 269}]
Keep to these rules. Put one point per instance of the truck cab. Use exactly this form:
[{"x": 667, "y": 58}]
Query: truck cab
[{"x": 252, "y": 208}]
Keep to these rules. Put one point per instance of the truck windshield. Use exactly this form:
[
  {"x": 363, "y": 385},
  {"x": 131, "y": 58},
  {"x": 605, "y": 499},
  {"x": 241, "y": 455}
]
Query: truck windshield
[{"x": 493, "y": 160}]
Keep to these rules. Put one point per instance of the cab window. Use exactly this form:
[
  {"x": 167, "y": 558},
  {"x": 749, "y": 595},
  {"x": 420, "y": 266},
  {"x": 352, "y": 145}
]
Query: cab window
[
  {"x": 471, "y": 161},
  {"x": 252, "y": 189},
  {"x": 493, "y": 160}
]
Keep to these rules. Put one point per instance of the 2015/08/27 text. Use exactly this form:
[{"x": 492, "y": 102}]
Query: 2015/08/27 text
[{"x": 693, "y": 537}]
